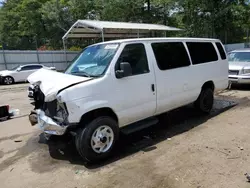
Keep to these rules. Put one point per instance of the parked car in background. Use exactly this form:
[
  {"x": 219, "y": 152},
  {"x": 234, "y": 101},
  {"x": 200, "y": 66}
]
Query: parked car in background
[
  {"x": 124, "y": 85},
  {"x": 20, "y": 73},
  {"x": 239, "y": 66}
]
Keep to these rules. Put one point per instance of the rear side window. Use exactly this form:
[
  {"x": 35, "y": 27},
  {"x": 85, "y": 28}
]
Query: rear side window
[
  {"x": 170, "y": 55},
  {"x": 202, "y": 52},
  {"x": 31, "y": 67},
  {"x": 221, "y": 50}
]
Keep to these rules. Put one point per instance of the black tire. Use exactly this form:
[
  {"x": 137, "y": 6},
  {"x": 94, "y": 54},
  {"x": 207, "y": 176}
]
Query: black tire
[
  {"x": 8, "y": 80},
  {"x": 84, "y": 135},
  {"x": 205, "y": 101}
]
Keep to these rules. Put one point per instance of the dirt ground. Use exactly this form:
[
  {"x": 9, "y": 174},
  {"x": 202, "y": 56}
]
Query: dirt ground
[{"x": 187, "y": 151}]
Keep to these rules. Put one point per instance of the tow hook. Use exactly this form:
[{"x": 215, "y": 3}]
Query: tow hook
[{"x": 33, "y": 118}]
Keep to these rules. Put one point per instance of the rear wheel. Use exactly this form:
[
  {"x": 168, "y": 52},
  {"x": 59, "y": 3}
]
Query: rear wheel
[
  {"x": 205, "y": 101},
  {"x": 8, "y": 80},
  {"x": 96, "y": 141}
]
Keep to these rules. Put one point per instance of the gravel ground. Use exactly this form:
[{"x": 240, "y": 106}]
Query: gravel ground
[{"x": 188, "y": 150}]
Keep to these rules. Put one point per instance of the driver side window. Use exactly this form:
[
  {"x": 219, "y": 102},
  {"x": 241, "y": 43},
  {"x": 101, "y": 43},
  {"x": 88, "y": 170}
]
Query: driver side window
[{"x": 135, "y": 55}]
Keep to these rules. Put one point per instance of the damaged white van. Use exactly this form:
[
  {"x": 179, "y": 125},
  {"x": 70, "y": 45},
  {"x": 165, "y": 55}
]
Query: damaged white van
[{"x": 123, "y": 85}]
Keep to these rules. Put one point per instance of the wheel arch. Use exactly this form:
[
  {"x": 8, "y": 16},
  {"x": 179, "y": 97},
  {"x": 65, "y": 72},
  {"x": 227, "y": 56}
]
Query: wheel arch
[
  {"x": 208, "y": 84},
  {"x": 103, "y": 111}
]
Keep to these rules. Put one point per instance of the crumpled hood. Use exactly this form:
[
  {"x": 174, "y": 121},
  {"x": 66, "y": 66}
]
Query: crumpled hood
[
  {"x": 51, "y": 81},
  {"x": 238, "y": 65},
  {"x": 5, "y": 72}
]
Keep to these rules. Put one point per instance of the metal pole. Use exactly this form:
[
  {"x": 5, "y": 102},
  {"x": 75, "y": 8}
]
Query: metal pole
[
  {"x": 138, "y": 33},
  {"x": 37, "y": 55},
  {"x": 247, "y": 36},
  {"x": 102, "y": 36},
  {"x": 225, "y": 36},
  {"x": 65, "y": 54},
  {"x": 4, "y": 58}
]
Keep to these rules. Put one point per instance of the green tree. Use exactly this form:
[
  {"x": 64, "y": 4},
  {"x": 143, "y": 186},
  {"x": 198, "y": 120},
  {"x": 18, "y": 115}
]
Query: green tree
[
  {"x": 27, "y": 24},
  {"x": 20, "y": 25}
]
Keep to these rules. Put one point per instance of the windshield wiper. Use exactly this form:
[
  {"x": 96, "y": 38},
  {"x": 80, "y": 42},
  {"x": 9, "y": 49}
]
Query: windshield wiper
[{"x": 81, "y": 74}]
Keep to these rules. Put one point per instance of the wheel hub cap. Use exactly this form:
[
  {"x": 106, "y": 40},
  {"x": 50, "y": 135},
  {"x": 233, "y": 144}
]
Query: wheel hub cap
[
  {"x": 102, "y": 139},
  {"x": 7, "y": 80}
]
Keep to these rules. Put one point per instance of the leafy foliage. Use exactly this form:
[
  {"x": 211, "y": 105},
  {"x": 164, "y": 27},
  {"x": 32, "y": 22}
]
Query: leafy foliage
[{"x": 30, "y": 24}]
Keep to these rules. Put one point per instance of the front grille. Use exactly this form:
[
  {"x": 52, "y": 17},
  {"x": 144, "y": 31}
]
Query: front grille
[
  {"x": 50, "y": 108},
  {"x": 233, "y": 72},
  {"x": 30, "y": 88},
  {"x": 38, "y": 97}
]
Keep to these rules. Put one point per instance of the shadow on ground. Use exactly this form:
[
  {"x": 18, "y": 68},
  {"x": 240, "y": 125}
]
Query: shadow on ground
[{"x": 175, "y": 122}]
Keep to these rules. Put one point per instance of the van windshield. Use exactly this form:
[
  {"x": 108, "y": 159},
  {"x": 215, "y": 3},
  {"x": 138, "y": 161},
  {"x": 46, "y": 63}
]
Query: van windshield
[{"x": 93, "y": 60}]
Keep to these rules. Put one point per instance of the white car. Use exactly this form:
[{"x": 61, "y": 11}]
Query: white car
[
  {"x": 20, "y": 73},
  {"x": 124, "y": 86}
]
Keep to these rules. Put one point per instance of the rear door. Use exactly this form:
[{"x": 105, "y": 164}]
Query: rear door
[
  {"x": 172, "y": 65},
  {"x": 206, "y": 65}
]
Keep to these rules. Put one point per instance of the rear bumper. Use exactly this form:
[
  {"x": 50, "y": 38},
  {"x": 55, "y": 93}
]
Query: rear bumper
[
  {"x": 46, "y": 124},
  {"x": 237, "y": 79}
]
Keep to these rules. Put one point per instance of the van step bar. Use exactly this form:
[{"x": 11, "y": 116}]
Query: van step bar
[{"x": 139, "y": 125}]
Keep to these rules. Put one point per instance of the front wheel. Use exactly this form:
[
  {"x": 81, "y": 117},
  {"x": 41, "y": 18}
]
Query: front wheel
[
  {"x": 205, "y": 101},
  {"x": 8, "y": 80},
  {"x": 96, "y": 141}
]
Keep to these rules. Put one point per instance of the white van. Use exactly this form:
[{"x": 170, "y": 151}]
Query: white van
[{"x": 124, "y": 84}]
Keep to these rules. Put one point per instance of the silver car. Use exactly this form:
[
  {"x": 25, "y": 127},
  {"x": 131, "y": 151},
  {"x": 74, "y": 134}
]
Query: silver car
[{"x": 239, "y": 66}]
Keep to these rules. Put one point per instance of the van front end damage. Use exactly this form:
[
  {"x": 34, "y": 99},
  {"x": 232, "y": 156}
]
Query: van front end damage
[
  {"x": 47, "y": 124},
  {"x": 50, "y": 112},
  {"x": 51, "y": 117}
]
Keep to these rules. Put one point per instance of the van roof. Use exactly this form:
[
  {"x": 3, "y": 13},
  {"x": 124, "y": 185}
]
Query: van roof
[{"x": 161, "y": 39}]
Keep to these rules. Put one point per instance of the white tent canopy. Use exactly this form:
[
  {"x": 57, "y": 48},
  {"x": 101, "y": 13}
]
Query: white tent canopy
[
  {"x": 92, "y": 29},
  {"x": 97, "y": 29}
]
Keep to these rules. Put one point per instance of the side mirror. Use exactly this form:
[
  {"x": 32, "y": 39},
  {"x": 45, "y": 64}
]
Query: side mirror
[
  {"x": 125, "y": 70},
  {"x": 18, "y": 70}
]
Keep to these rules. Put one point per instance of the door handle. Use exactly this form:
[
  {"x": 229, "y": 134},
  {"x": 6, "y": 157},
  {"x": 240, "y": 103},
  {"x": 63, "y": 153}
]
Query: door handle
[{"x": 153, "y": 87}]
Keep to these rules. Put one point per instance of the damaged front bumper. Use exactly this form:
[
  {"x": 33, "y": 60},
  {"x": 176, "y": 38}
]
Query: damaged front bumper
[{"x": 46, "y": 124}]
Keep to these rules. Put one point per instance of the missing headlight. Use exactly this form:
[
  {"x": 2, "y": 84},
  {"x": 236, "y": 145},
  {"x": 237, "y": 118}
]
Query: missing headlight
[{"x": 61, "y": 114}]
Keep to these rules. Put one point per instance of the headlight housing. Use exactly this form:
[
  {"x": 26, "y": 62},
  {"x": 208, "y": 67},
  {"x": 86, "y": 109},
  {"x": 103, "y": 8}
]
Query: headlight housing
[
  {"x": 246, "y": 71},
  {"x": 61, "y": 114}
]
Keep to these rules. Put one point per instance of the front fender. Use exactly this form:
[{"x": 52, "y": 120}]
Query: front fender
[
  {"x": 6, "y": 74},
  {"x": 77, "y": 108}
]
